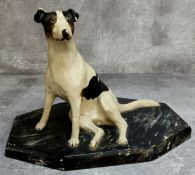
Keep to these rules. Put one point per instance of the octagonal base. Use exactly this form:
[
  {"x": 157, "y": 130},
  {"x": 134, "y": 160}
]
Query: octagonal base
[{"x": 151, "y": 133}]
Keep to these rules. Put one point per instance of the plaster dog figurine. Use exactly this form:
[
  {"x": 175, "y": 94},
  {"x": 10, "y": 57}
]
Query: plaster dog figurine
[{"x": 69, "y": 77}]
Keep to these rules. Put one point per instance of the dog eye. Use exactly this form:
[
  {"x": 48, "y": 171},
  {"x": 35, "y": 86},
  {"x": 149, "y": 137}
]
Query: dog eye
[
  {"x": 69, "y": 19},
  {"x": 52, "y": 20}
]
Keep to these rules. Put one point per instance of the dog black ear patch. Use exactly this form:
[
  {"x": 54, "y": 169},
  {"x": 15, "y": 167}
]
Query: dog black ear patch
[
  {"x": 94, "y": 88},
  {"x": 38, "y": 17},
  {"x": 75, "y": 15}
]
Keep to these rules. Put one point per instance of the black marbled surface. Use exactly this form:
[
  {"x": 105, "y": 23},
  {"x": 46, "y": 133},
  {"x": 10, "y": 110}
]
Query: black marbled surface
[{"x": 151, "y": 133}]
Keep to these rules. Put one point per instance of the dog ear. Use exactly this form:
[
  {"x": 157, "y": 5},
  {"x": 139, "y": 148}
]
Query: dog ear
[
  {"x": 38, "y": 17},
  {"x": 74, "y": 15}
]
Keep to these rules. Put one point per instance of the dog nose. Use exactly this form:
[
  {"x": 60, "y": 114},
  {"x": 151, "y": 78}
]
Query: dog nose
[{"x": 64, "y": 33}]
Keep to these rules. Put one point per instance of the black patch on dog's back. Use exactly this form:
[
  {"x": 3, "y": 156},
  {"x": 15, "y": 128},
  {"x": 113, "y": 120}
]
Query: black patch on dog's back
[{"x": 94, "y": 88}]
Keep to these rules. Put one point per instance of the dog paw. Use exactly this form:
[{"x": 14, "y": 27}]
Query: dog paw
[
  {"x": 96, "y": 140},
  {"x": 39, "y": 126},
  {"x": 94, "y": 144},
  {"x": 73, "y": 142},
  {"x": 122, "y": 141}
]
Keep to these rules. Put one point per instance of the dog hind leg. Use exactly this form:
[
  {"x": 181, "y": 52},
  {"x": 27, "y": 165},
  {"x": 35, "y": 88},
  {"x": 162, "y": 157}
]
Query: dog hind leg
[
  {"x": 88, "y": 125},
  {"x": 110, "y": 107}
]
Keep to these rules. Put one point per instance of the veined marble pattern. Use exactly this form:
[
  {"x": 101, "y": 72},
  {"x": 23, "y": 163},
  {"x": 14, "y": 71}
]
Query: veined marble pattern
[{"x": 151, "y": 133}]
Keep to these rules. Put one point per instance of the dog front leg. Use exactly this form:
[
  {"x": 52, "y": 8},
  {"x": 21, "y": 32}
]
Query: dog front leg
[
  {"x": 49, "y": 98},
  {"x": 75, "y": 116}
]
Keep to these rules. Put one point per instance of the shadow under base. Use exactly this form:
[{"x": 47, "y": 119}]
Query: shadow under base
[{"x": 151, "y": 133}]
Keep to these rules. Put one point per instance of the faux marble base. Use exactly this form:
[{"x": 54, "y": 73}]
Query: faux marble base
[{"x": 151, "y": 133}]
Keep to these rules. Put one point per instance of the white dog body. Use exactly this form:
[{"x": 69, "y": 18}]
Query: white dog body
[{"x": 69, "y": 77}]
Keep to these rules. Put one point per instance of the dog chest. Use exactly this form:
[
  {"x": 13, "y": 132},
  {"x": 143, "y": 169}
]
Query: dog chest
[{"x": 63, "y": 83}]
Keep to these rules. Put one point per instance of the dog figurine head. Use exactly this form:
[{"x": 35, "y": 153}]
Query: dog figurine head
[{"x": 58, "y": 25}]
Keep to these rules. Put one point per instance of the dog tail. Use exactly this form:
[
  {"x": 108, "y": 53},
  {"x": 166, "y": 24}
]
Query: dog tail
[{"x": 137, "y": 104}]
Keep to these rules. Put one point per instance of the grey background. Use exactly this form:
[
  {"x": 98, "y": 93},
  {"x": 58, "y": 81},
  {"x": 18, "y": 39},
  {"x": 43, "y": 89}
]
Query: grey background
[{"x": 132, "y": 36}]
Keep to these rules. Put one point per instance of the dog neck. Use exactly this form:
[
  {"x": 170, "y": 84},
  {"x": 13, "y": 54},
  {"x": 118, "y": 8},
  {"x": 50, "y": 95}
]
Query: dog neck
[{"x": 61, "y": 53}]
